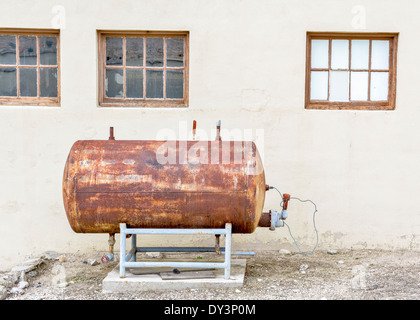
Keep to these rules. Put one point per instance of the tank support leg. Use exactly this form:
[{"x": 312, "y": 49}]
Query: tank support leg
[
  {"x": 110, "y": 256},
  {"x": 217, "y": 244},
  {"x": 134, "y": 247},
  {"x": 111, "y": 243}
]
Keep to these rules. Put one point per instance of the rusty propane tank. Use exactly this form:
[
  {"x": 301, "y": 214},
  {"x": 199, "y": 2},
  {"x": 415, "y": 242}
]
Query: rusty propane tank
[{"x": 163, "y": 184}]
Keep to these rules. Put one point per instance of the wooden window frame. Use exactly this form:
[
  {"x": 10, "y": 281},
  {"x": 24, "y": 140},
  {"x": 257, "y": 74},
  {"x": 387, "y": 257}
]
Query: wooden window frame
[
  {"x": 104, "y": 101},
  {"x": 34, "y": 101},
  {"x": 353, "y": 105}
]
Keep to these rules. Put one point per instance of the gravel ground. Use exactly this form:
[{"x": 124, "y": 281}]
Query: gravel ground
[{"x": 270, "y": 275}]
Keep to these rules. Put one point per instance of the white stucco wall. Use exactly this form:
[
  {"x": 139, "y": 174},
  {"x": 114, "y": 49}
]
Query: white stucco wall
[{"x": 360, "y": 167}]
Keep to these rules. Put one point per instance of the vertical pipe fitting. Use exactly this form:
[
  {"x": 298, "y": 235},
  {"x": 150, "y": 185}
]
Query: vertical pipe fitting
[
  {"x": 194, "y": 128},
  {"x": 111, "y": 133},
  {"x": 218, "y": 125}
]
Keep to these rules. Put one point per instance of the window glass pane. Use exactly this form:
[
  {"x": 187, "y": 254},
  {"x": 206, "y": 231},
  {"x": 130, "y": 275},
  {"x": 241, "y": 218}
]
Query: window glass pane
[
  {"x": 134, "y": 52},
  {"x": 379, "y": 86},
  {"x": 175, "y": 52},
  {"x": 154, "y": 52},
  {"x": 380, "y": 54},
  {"x": 8, "y": 85},
  {"x": 319, "y": 54},
  {"x": 7, "y": 49},
  {"x": 339, "y": 54},
  {"x": 28, "y": 82},
  {"x": 134, "y": 83},
  {"x": 114, "y": 51},
  {"x": 319, "y": 85},
  {"x": 114, "y": 83},
  {"x": 339, "y": 86},
  {"x": 154, "y": 84},
  {"x": 174, "y": 84},
  {"x": 48, "y": 82},
  {"x": 360, "y": 54},
  {"x": 27, "y": 50},
  {"x": 359, "y": 86},
  {"x": 48, "y": 50}
]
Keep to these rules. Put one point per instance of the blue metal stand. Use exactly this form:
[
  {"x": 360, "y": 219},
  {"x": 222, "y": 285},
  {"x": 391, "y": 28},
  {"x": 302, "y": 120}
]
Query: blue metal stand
[{"x": 125, "y": 258}]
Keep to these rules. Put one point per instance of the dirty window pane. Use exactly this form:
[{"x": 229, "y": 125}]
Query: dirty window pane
[
  {"x": 27, "y": 50},
  {"x": 175, "y": 52},
  {"x": 7, "y": 49},
  {"x": 380, "y": 54},
  {"x": 319, "y": 54},
  {"x": 154, "y": 84},
  {"x": 28, "y": 82},
  {"x": 154, "y": 52},
  {"x": 174, "y": 84},
  {"x": 339, "y": 86},
  {"x": 134, "y": 52},
  {"x": 48, "y": 50},
  {"x": 114, "y": 83},
  {"x": 339, "y": 54},
  {"x": 360, "y": 54},
  {"x": 379, "y": 86},
  {"x": 114, "y": 51},
  {"x": 8, "y": 85},
  {"x": 48, "y": 82},
  {"x": 319, "y": 85},
  {"x": 359, "y": 86},
  {"x": 134, "y": 83}
]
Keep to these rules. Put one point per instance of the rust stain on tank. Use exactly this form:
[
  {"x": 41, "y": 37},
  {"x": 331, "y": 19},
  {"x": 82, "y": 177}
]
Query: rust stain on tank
[{"x": 107, "y": 182}]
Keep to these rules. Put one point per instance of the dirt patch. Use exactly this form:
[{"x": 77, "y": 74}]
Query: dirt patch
[{"x": 348, "y": 274}]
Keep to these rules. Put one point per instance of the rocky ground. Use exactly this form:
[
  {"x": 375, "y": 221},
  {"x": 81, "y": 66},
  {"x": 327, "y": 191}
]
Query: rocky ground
[{"x": 270, "y": 275}]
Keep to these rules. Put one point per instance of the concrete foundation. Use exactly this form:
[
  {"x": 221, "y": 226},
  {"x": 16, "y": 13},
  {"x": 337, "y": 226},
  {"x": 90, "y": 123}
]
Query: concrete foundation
[{"x": 146, "y": 282}]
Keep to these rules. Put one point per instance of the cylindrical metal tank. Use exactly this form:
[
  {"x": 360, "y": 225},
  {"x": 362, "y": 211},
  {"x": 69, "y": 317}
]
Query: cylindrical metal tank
[{"x": 163, "y": 184}]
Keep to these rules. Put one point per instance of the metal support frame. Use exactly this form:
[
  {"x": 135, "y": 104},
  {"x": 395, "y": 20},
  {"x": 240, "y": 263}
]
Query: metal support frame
[{"x": 125, "y": 258}]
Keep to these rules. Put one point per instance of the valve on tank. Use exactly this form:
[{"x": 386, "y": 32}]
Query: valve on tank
[{"x": 277, "y": 218}]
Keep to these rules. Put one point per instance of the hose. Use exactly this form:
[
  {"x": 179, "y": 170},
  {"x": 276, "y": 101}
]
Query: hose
[{"x": 313, "y": 220}]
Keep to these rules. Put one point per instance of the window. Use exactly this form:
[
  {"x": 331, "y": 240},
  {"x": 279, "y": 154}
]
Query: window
[
  {"x": 29, "y": 67},
  {"x": 143, "y": 69},
  {"x": 351, "y": 71}
]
